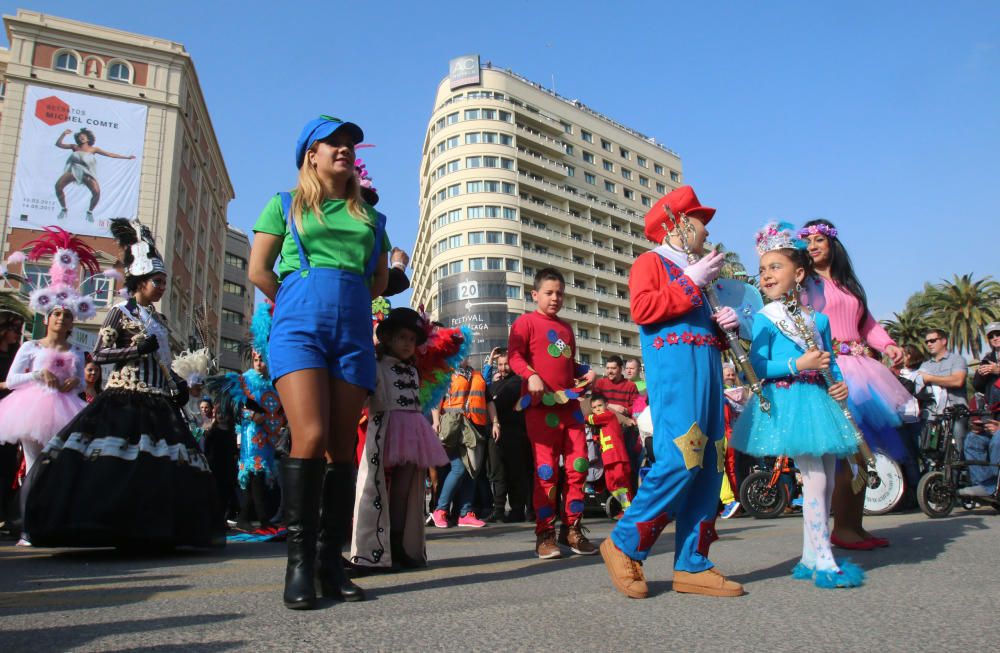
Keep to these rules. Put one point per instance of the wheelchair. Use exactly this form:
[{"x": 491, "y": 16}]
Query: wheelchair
[{"x": 946, "y": 469}]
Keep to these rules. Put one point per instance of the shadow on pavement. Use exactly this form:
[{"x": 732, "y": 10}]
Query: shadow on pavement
[{"x": 53, "y": 638}]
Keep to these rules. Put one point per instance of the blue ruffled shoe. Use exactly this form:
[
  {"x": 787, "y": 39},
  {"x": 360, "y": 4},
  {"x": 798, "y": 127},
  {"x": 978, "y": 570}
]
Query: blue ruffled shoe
[
  {"x": 849, "y": 575},
  {"x": 802, "y": 572}
]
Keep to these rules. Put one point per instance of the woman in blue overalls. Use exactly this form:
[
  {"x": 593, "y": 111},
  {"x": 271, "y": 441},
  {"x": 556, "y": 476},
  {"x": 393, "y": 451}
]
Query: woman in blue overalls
[{"x": 333, "y": 263}]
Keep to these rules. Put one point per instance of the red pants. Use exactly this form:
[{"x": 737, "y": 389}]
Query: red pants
[
  {"x": 617, "y": 479},
  {"x": 556, "y": 431}
]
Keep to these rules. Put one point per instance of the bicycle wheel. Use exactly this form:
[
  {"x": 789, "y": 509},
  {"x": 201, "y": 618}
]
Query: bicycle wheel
[
  {"x": 761, "y": 501},
  {"x": 935, "y": 495}
]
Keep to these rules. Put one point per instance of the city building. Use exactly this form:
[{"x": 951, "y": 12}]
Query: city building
[
  {"x": 237, "y": 302},
  {"x": 515, "y": 178},
  {"x": 64, "y": 82}
]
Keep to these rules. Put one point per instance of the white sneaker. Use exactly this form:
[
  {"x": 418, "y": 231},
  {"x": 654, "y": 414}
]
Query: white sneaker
[
  {"x": 975, "y": 491},
  {"x": 23, "y": 542}
]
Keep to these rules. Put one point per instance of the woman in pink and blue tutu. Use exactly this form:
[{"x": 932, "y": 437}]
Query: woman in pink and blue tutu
[{"x": 876, "y": 396}]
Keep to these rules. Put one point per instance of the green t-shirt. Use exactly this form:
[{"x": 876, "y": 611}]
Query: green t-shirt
[{"x": 342, "y": 241}]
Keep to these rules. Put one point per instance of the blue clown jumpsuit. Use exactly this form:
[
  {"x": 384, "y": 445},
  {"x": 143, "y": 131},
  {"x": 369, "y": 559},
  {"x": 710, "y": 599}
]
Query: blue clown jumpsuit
[
  {"x": 684, "y": 381},
  {"x": 322, "y": 316}
]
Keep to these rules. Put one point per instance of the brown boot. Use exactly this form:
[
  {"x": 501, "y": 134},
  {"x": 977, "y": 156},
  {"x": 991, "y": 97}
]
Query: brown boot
[
  {"x": 578, "y": 542},
  {"x": 545, "y": 545},
  {"x": 626, "y": 573},
  {"x": 709, "y": 582}
]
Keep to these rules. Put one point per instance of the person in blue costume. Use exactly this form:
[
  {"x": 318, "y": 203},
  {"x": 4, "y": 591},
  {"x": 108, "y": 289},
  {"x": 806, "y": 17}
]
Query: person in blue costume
[
  {"x": 681, "y": 349},
  {"x": 334, "y": 261},
  {"x": 252, "y": 398},
  {"x": 804, "y": 420}
]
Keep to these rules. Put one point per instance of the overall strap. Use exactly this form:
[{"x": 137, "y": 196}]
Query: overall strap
[
  {"x": 377, "y": 249},
  {"x": 286, "y": 208}
]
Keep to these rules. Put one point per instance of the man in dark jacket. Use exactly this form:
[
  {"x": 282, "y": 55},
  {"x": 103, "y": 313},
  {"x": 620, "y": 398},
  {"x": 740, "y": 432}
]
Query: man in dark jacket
[{"x": 510, "y": 441}]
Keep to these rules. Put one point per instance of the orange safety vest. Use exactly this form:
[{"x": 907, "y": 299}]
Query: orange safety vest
[{"x": 469, "y": 396}]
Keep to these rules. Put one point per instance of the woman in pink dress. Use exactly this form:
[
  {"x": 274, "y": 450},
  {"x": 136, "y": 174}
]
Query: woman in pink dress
[{"x": 876, "y": 396}]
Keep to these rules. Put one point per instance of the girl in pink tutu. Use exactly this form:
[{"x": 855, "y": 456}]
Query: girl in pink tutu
[
  {"x": 400, "y": 445},
  {"x": 876, "y": 396}
]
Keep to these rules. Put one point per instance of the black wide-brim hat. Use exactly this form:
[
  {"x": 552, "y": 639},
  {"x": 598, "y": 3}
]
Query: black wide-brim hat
[{"x": 403, "y": 318}]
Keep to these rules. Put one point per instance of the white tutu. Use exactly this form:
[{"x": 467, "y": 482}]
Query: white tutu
[{"x": 36, "y": 412}]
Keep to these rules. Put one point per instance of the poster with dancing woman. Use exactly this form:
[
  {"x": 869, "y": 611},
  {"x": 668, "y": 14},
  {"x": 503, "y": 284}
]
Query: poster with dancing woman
[{"x": 78, "y": 162}]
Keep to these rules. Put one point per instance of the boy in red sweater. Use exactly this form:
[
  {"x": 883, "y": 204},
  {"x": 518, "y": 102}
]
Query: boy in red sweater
[
  {"x": 617, "y": 468},
  {"x": 542, "y": 352}
]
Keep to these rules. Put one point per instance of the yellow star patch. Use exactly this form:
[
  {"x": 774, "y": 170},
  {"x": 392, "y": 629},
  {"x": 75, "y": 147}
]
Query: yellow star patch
[
  {"x": 692, "y": 446},
  {"x": 720, "y": 455}
]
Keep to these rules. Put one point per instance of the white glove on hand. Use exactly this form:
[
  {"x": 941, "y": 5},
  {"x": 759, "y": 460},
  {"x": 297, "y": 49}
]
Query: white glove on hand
[
  {"x": 706, "y": 270},
  {"x": 727, "y": 318}
]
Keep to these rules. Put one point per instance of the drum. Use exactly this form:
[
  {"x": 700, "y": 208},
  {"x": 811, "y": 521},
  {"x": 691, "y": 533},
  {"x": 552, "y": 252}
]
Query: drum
[{"x": 886, "y": 497}]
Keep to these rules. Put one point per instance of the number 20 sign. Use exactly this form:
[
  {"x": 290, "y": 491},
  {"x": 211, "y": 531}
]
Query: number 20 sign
[{"x": 468, "y": 290}]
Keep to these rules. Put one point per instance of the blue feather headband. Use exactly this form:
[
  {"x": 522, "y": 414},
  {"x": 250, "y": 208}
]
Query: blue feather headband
[{"x": 260, "y": 331}]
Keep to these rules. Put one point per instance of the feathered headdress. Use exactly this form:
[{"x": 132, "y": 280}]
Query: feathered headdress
[
  {"x": 260, "y": 330},
  {"x": 368, "y": 191},
  {"x": 138, "y": 247},
  {"x": 71, "y": 258},
  {"x": 777, "y": 235},
  {"x": 193, "y": 366},
  {"x": 437, "y": 358}
]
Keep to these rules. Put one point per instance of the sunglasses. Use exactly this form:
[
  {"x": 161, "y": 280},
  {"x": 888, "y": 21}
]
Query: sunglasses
[
  {"x": 158, "y": 283},
  {"x": 995, "y": 334},
  {"x": 931, "y": 341}
]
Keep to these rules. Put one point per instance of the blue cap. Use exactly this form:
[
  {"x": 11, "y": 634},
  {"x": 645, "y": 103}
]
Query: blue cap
[{"x": 320, "y": 128}]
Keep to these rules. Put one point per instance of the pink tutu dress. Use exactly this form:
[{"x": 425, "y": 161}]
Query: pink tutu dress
[
  {"x": 33, "y": 411},
  {"x": 877, "y": 399},
  {"x": 409, "y": 437}
]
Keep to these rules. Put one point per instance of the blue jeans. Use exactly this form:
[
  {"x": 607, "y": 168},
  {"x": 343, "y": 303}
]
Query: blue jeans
[
  {"x": 457, "y": 484},
  {"x": 982, "y": 448}
]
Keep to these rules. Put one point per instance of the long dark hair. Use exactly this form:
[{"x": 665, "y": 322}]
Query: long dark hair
[{"x": 842, "y": 270}]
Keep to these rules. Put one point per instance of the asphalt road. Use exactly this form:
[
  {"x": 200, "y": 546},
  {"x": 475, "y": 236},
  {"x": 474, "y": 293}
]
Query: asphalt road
[{"x": 935, "y": 588}]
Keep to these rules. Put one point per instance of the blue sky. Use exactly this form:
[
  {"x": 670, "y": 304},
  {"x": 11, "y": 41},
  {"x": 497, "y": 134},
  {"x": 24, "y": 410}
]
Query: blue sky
[{"x": 883, "y": 117}]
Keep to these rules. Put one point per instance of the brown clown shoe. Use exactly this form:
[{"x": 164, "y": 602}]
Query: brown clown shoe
[
  {"x": 626, "y": 573},
  {"x": 709, "y": 582}
]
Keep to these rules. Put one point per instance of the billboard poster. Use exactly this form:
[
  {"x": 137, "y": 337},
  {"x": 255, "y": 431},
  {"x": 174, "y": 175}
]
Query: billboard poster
[
  {"x": 477, "y": 300},
  {"x": 78, "y": 161}
]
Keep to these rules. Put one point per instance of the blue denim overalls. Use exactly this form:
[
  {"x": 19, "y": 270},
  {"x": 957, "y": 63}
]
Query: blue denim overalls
[{"x": 322, "y": 316}]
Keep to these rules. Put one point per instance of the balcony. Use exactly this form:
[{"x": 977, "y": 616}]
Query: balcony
[
  {"x": 541, "y": 162},
  {"x": 532, "y": 135}
]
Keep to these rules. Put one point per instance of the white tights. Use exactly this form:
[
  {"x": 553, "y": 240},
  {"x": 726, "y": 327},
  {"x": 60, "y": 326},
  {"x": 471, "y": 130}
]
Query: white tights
[
  {"x": 31, "y": 452},
  {"x": 818, "y": 475}
]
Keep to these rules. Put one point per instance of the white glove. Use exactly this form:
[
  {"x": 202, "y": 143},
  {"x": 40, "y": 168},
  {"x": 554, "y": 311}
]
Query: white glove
[
  {"x": 706, "y": 270},
  {"x": 727, "y": 319}
]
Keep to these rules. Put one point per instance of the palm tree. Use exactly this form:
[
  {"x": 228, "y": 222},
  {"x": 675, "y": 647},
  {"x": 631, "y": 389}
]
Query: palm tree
[
  {"x": 963, "y": 307},
  {"x": 733, "y": 267},
  {"x": 909, "y": 327}
]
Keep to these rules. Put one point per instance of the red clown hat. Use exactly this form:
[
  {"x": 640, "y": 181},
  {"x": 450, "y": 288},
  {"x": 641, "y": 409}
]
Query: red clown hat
[{"x": 679, "y": 200}]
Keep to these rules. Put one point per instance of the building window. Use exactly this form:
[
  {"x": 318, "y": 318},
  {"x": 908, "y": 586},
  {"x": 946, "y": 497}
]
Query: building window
[
  {"x": 506, "y": 164},
  {"x": 232, "y": 317},
  {"x": 570, "y": 171},
  {"x": 454, "y": 166},
  {"x": 234, "y": 289},
  {"x": 642, "y": 161},
  {"x": 507, "y": 188},
  {"x": 474, "y": 212},
  {"x": 489, "y": 114},
  {"x": 589, "y": 178},
  {"x": 506, "y": 139},
  {"x": 230, "y": 345},
  {"x": 67, "y": 61},
  {"x": 609, "y": 186},
  {"x": 494, "y": 237},
  {"x": 588, "y": 157},
  {"x": 606, "y": 145},
  {"x": 491, "y": 162},
  {"x": 442, "y": 272},
  {"x": 657, "y": 168},
  {"x": 494, "y": 263},
  {"x": 625, "y": 153},
  {"x": 452, "y": 118},
  {"x": 475, "y": 237},
  {"x": 587, "y": 136},
  {"x": 626, "y": 341},
  {"x": 236, "y": 261},
  {"x": 455, "y": 267},
  {"x": 644, "y": 181},
  {"x": 451, "y": 142},
  {"x": 602, "y": 312},
  {"x": 119, "y": 72},
  {"x": 646, "y": 201},
  {"x": 472, "y": 138},
  {"x": 505, "y": 116},
  {"x": 471, "y": 114},
  {"x": 660, "y": 188},
  {"x": 610, "y": 167},
  {"x": 513, "y": 292},
  {"x": 454, "y": 241},
  {"x": 629, "y": 195},
  {"x": 454, "y": 190},
  {"x": 473, "y": 187},
  {"x": 674, "y": 176},
  {"x": 512, "y": 264},
  {"x": 627, "y": 174},
  {"x": 580, "y": 331},
  {"x": 568, "y": 149},
  {"x": 605, "y": 338},
  {"x": 510, "y": 239},
  {"x": 568, "y": 128},
  {"x": 509, "y": 213},
  {"x": 476, "y": 264}
]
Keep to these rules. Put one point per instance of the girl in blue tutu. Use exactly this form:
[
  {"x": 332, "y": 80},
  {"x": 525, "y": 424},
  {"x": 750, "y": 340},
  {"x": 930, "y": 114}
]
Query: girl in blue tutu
[{"x": 804, "y": 420}]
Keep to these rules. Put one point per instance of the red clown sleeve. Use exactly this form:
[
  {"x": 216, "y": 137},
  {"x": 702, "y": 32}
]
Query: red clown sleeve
[{"x": 655, "y": 298}]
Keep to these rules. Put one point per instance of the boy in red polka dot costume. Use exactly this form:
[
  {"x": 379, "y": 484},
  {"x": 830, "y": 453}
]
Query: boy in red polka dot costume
[{"x": 542, "y": 352}]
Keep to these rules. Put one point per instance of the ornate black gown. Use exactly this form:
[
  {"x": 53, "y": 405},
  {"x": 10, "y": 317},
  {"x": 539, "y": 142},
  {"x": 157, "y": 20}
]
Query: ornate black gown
[{"x": 126, "y": 471}]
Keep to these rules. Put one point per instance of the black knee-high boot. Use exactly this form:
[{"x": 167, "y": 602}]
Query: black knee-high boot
[
  {"x": 338, "y": 508},
  {"x": 303, "y": 488}
]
